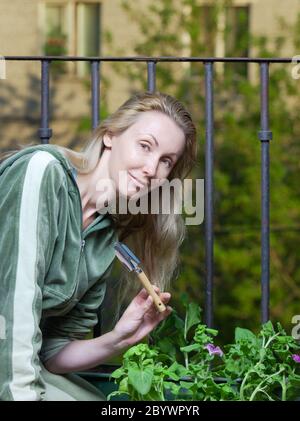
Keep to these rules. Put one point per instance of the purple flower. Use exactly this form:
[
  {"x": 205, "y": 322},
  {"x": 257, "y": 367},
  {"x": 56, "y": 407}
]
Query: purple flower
[
  {"x": 214, "y": 350},
  {"x": 296, "y": 358}
]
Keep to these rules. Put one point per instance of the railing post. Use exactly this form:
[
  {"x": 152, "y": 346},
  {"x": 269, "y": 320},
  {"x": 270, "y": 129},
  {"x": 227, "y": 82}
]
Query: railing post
[
  {"x": 209, "y": 193},
  {"x": 265, "y": 135},
  {"x": 151, "y": 76},
  {"x": 45, "y": 132},
  {"x": 95, "y": 86},
  {"x": 95, "y": 68}
]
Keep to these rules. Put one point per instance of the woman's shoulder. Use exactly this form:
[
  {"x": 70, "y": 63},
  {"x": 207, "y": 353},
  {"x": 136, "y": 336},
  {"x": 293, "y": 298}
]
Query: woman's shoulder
[
  {"x": 39, "y": 154},
  {"x": 38, "y": 162}
]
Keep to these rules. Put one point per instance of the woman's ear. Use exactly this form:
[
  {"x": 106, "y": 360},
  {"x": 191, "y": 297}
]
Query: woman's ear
[{"x": 107, "y": 140}]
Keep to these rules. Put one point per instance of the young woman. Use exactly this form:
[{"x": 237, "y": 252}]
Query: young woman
[{"x": 57, "y": 250}]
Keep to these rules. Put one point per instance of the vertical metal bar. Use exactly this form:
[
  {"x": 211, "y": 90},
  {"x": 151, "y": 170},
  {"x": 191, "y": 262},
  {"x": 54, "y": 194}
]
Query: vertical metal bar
[
  {"x": 209, "y": 192},
  {"x": 265, "y": 135},
  {"x": 44, "y": 132},
  {"x": 95, "y": 75},
  {"x": 95, "y": 86},
  {"x": 151, "y": 73}
]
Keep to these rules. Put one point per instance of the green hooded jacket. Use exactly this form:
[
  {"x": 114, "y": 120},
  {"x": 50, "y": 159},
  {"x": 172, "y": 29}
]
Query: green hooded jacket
[{"x": 52, "y": 272}]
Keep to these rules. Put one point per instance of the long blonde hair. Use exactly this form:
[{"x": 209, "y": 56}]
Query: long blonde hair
[{"x": 154, "y": 238}]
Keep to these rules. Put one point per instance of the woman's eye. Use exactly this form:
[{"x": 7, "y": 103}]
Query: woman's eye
[
  {"x": 168, "y": 163},
  {"x": 145, "y": 146}
]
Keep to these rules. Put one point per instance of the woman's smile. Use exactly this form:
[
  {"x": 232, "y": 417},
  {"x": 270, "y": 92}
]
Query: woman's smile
[{"x": 137, "y": 182}]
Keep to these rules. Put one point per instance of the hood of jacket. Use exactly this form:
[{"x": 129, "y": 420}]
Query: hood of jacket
[{"x": 30, "y": 149}]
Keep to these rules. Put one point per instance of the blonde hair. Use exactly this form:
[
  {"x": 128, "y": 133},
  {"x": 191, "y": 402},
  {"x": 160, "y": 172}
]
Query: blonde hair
[{"x": 154, "y": 238}]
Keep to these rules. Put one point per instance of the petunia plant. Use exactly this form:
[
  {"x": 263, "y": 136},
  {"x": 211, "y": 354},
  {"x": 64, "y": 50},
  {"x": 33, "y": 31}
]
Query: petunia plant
[{"x": 182, "y": 362}]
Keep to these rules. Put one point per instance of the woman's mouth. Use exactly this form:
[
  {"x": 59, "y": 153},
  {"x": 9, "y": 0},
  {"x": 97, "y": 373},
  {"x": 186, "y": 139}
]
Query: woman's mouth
[{"x": 137, "y": 182}]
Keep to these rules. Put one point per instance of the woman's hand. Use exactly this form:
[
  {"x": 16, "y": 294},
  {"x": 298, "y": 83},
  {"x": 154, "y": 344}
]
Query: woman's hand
[{"x": 141, "y": 317}]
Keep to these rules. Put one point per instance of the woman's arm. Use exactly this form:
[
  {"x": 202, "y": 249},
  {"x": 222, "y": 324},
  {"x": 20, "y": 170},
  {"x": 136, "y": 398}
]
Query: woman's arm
[
  {"x": 83, "y": 355},
  {"x": 138, "y": 320}
]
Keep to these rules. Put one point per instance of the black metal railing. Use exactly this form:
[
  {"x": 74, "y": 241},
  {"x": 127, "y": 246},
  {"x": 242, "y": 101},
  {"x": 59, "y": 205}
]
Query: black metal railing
[{"x": 264, "y": 135}]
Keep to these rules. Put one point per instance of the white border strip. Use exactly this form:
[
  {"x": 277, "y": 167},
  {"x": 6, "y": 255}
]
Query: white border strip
[{"x": 2, "y": 68}]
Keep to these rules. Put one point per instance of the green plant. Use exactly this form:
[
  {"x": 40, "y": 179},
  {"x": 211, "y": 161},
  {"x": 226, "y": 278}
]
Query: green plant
[{"x": 182, "y": 363}]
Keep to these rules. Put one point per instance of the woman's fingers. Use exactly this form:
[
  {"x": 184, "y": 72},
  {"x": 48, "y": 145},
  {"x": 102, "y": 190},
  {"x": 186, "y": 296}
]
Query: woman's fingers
[
  {"x": 165, "y": 313},
  {"x": 143, "y": 294},
  {"x": 143, "y": 298},
  {"x": 165, "y": 297},
  {"x": 148, "y": 304}
]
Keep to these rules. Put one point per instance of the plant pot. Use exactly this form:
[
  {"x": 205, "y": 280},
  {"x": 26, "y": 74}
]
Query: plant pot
[
  {"x": 184, "y": 393},
  {"x": 102, "y": 380},
  {"x": 100, "y": 377}
]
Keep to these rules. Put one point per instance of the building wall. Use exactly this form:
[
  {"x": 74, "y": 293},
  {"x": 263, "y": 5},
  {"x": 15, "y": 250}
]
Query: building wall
[
  {"x": 21, "y": 33},
  {"x": 21, "y": 29}
]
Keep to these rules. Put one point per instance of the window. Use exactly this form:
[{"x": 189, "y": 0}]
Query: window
[
  {"x": 208, "y": 32},
  {"x": 55, "y": 43},
  {"x": 222, "y": 32},
  {"x": 87, "y": 33},
  {"x": 55, "y": 17},
  {"x": 71, "y": 27},
  {"x": 237, "y": 37}
]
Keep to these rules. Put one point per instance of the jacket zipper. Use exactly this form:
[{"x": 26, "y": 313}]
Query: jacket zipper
[{"x": 81, "y": 216}]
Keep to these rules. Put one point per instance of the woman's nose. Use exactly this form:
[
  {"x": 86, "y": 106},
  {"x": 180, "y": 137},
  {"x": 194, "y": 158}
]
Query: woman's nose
[{"x": 150, "y": 168}]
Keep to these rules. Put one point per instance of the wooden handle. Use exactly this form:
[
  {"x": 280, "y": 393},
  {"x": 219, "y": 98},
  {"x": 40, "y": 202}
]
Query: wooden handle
[{"x": 149, "y": 288}]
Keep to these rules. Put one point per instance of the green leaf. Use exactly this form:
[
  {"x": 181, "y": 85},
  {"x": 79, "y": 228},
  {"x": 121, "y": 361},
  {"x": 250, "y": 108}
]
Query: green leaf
[
  {"x": 262, "y": 353},
  {"x": 119, "y": 372},
  {"x": 117, "y": 393},
  {"x": 171, "y": 327},
  {"x": 182, "y": 371},
  {"x": 174, "y": 367},
  {"x": 245, "y": 334},
  {"x": 268, "y": 329},
  {"x": 140, "y": 378},
  {"x": 172, "y": 375},
  {"x": 213, "y": 332},
  {"x": 190, "y": 348},
  {"x": 167, "y": 346},
  {"x": 294, "y": 380},
  {"x": 138, "y": 350},
  {"x": 192, "y": 316},
  {"x": 123, "y": 386},
  {"x": 186, "y": 385}
]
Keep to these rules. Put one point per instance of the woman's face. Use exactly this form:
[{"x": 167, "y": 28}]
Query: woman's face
[{"x": 147, "y": 150}]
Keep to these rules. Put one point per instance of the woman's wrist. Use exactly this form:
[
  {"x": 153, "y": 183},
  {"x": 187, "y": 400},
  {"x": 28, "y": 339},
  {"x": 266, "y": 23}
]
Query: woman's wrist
[{"x": 119, "y": 340}]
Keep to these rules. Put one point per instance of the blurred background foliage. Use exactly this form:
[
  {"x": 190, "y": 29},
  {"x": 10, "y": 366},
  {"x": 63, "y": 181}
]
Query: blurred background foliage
[
  {"x": 55, "y": 45},
  {"x": 165, "y": 28}
]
